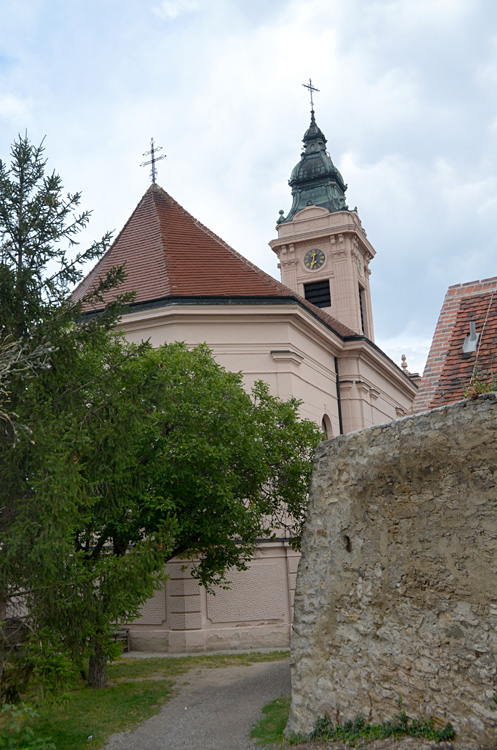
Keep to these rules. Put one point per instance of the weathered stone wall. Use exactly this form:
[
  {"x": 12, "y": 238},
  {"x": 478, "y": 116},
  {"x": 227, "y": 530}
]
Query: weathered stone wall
[{"x": 397, "y": 585}]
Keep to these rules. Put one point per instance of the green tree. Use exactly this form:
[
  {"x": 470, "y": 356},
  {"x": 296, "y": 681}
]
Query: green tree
[
  {"x": 159, "y": 453},
  {"x": 15, "y": 360},
  {"x": 38, "y": 264},
  {"x": 133, "y": 455}
]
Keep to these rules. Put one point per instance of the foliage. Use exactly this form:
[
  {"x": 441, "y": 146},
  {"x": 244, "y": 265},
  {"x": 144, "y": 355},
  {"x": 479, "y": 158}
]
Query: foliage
[
  {"x": 184, "y": 448},
  {"x": 130, "y": 455},
  {"x": 36, "y": 274},
  {"x": 351, "y": 732},
  {"x": 16, "y": 359},
  {"x": 480, "y": 384},
  {"x": 16, "y": 732},
  {"x": 39, "y": 663},
  {"x": 39, "y": 343}
]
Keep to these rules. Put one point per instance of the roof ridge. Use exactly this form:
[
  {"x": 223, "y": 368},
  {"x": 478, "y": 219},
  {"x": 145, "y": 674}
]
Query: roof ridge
[{"x": 162, "y": 232}]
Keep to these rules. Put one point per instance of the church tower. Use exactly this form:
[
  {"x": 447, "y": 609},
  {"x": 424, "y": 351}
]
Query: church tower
[{"x": 322, "y": 248}]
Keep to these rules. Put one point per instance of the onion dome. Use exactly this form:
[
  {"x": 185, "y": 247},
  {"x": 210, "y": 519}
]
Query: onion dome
[{"x": 315, "y": 181}]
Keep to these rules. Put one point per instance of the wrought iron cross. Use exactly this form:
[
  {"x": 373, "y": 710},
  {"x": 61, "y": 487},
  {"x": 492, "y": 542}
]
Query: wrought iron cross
[
  {"x": 311, "y": 89},
  {"x": 153, "y": 149}
]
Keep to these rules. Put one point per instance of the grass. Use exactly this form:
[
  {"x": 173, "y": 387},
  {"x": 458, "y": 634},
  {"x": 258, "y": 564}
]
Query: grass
[
  {"x": 360, "y": 731},
  {"x": 270, "y": 728},
  {"x": 85, "y": 718}
]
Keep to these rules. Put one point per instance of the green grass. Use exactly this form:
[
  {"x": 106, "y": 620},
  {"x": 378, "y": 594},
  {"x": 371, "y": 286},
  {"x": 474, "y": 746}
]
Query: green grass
[
  {"x": 270, "y": 729},
  {"x": 89, "y": 713},
  {"x": 360, "y": 731},
  {"x": 137, "y": 688},
  {"x": 173, "y": 666}
]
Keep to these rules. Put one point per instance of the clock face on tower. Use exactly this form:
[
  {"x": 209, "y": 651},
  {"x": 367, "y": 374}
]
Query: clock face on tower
[{"x": 314, "y": 259}]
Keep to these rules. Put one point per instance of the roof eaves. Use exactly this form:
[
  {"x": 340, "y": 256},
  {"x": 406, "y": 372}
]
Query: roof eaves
[
  {"x": 170, "y": 301},
  {"x": 357, "y": 337}
]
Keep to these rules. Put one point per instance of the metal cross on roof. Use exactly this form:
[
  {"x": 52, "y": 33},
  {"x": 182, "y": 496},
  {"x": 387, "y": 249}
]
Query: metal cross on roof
[
  {"x": 153, "y": 149},
  {"x": 311, "y": 89}
]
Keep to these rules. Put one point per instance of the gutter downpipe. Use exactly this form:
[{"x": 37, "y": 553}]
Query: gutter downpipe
[{"x": 339, "y": 401}]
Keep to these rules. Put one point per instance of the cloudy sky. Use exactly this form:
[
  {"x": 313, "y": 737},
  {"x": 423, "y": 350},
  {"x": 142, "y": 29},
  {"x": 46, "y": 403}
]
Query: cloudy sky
[{"x": 407, "y": 100}]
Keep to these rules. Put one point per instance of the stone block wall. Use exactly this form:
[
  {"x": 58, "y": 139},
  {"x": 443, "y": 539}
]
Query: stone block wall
[{"x": 396, "y": 592}]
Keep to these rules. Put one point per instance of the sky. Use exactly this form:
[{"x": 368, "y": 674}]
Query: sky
[{"x": 407, "y": 100}]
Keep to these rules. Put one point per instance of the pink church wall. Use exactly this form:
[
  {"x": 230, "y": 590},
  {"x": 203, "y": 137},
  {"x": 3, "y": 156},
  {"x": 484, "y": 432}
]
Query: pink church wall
[{"x": 295, "y": 354}]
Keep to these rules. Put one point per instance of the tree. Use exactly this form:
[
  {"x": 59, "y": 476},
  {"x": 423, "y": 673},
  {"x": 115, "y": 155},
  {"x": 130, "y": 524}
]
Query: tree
[
  {"x": 15, "y": 360},
  {"x": 36, "y": 321},
  {"x": 165, "y": 454},
  {"x": 133, "y": 455}
]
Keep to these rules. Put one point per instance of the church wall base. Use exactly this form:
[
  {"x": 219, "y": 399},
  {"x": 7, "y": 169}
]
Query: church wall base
[
  {"x": 254, "y": 613},
  {"x": 202, "y": 641}
]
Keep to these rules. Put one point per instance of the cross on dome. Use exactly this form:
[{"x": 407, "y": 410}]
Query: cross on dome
[{"x": 311, "y": 88}]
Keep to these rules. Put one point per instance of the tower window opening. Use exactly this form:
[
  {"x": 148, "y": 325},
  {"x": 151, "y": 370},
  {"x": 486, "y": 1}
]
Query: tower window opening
[
  {"x": 361, "y": 308},
  {"x": 318, "y": 293}
]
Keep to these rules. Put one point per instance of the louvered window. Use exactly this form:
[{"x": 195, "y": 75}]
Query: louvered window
[{"x": 318, "y": 293}]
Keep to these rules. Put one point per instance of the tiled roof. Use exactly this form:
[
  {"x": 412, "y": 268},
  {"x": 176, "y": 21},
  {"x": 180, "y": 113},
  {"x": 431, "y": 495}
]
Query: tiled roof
[
  {"x": 448, "y": 370},
  {"x": 167, "y": 253}
]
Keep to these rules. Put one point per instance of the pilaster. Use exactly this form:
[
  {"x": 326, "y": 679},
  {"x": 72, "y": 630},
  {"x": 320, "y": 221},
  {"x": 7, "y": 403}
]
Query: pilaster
[{"x": 347, "y": 253}]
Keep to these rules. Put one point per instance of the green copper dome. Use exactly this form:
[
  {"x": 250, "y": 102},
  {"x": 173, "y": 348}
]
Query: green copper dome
[{"x": 315, "y": 181}]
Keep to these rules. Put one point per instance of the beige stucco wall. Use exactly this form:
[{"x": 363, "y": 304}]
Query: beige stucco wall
[
  {"x": 285, "y": 346},
  {"x": 271, "y": 343},
  {"x": 396, "y": 591},
  {"x": 255, "y": 612}
]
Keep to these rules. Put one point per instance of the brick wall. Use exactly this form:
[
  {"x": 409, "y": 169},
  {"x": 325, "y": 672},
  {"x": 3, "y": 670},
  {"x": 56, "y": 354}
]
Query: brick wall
[{"x": 442, "y": 336}]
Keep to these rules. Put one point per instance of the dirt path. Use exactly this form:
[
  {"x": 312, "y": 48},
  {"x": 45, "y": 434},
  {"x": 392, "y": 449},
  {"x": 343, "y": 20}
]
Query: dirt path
[{"x": 214, "y": 710}]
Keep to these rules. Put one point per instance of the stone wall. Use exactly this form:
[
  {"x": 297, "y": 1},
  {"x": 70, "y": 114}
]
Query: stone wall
[{"x": 397, "y": 589}]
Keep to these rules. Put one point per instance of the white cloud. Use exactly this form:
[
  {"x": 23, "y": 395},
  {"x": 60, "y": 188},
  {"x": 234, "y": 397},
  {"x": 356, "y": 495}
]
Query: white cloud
[
  {"x": 14, "y": 109},
  {"x": 407, "y": 102},
  {"x": 175, "y": 8}
]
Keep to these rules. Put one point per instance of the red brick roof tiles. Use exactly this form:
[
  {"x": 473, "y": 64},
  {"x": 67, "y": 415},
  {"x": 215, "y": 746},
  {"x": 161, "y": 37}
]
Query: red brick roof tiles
[
  {"x": 168, "y": 253},
  {"x": 448, "y": 370}
]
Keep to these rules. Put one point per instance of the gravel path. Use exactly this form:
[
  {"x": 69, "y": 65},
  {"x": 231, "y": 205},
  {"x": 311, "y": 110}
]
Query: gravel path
[{"x": 214, "y": 709}]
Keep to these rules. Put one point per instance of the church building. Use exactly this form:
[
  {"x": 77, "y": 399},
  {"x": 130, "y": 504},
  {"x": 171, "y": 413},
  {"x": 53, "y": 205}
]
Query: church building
[{"x": 309, "y": 335}]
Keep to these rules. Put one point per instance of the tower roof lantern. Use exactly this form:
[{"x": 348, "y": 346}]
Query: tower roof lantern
[
  {"x": 315, "y": 181},
  {"x": 313, "y": 132}
]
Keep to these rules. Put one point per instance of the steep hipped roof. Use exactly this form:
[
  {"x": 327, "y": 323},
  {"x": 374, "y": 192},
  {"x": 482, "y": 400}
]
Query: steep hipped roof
[
  {"x": 167, "y": 253},
  {"x": 448, "y": 369}
]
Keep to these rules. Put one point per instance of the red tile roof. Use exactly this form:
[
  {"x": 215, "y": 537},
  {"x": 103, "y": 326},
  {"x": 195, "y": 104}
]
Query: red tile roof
[
  {"x": 448, "y": 370},
  {"x": 168, "y": 253}
]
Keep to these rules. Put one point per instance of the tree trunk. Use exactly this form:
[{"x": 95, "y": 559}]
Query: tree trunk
[{"x": 97, "y": 668}]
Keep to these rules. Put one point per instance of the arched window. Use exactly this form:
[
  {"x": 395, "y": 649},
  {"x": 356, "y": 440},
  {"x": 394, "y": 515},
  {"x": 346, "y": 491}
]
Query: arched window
[{"x": 326, "y": 426}]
